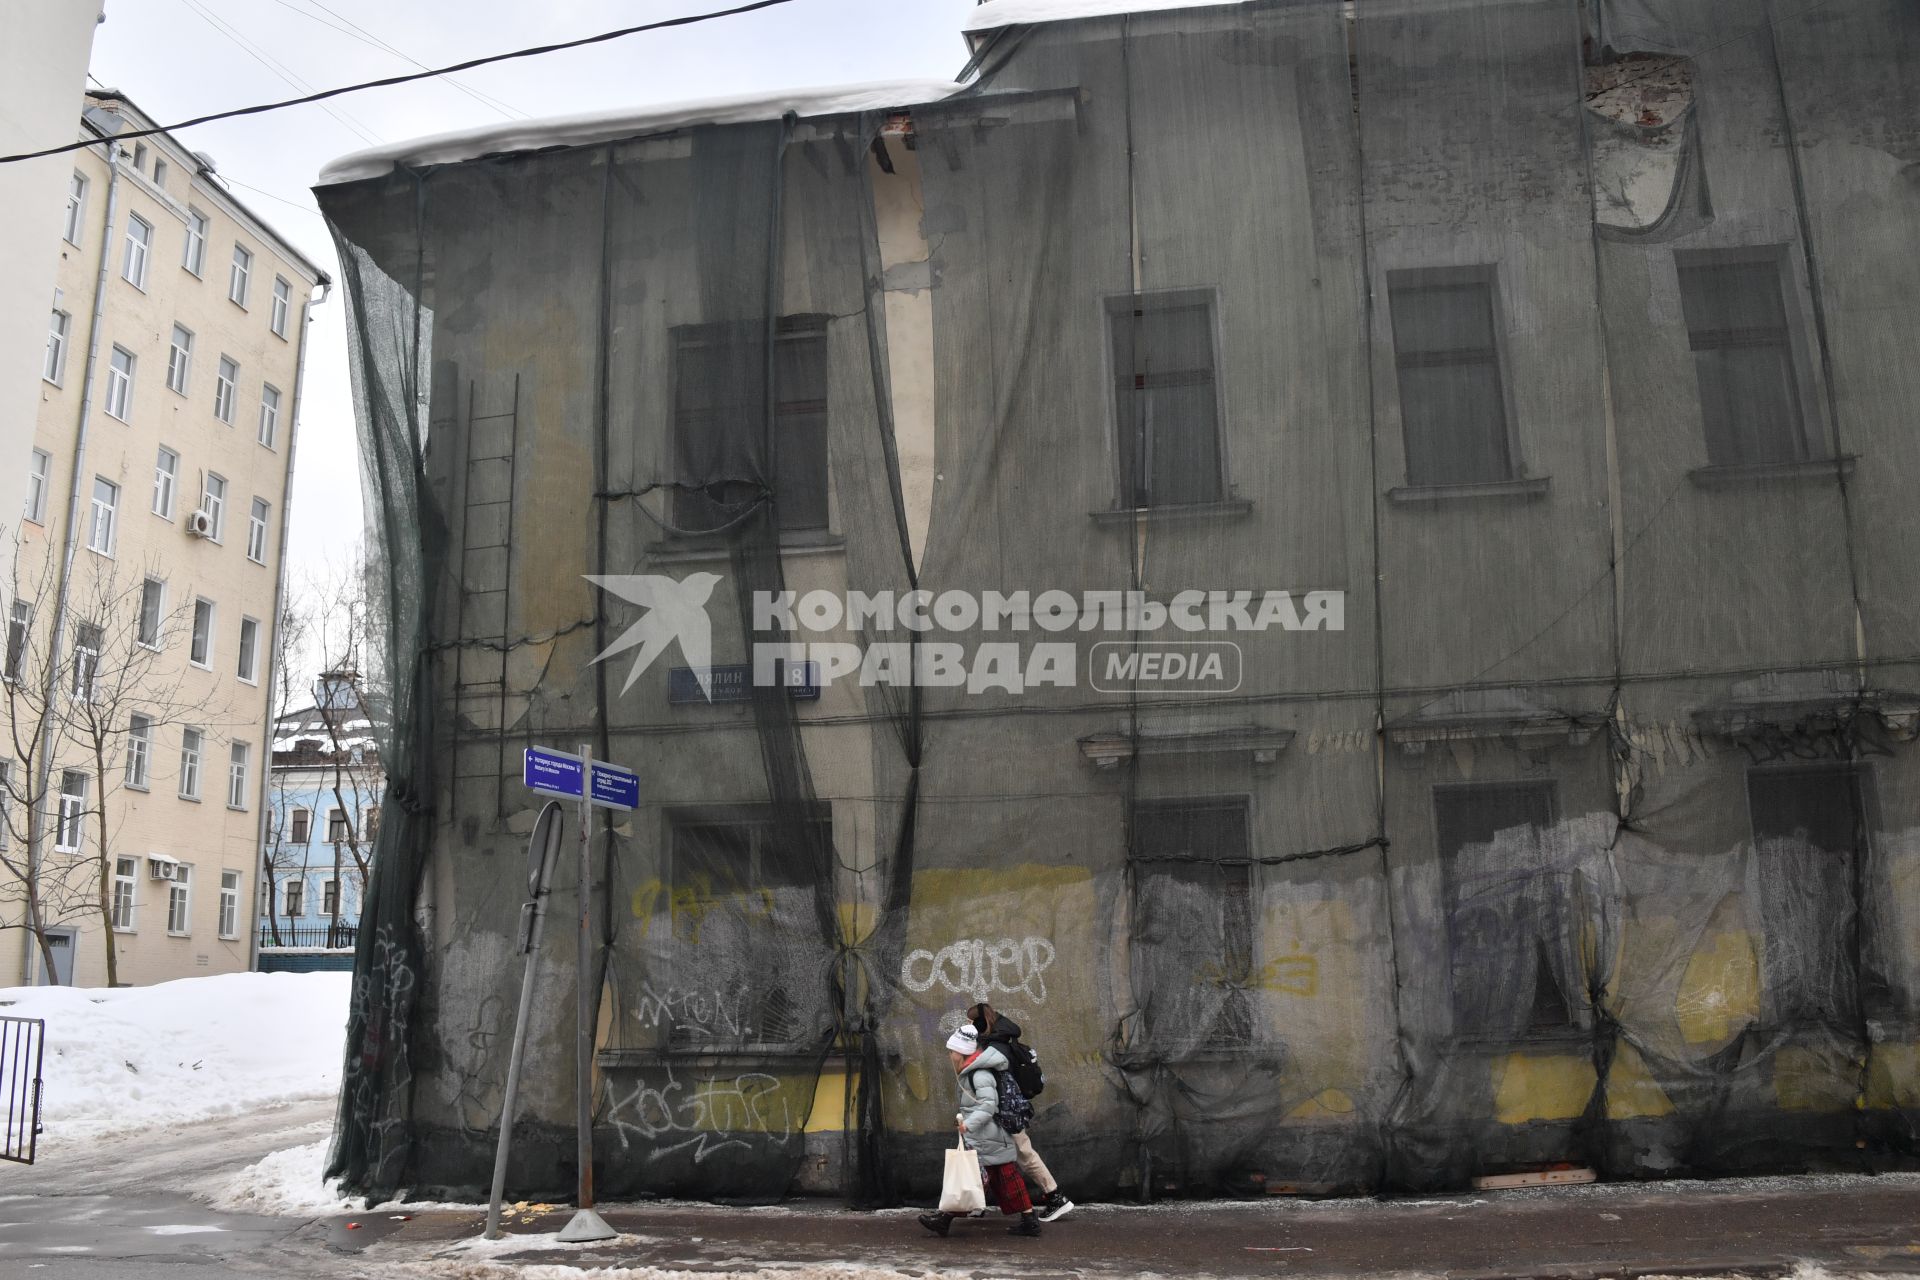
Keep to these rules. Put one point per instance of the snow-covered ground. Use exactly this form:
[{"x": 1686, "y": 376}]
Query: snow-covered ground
[{"x": 150, "y": 1057}]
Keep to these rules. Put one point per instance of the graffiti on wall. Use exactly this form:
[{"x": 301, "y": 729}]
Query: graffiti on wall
[
  {"x": 982, "y": 968},
  {"x": 704, "y": 1117}
]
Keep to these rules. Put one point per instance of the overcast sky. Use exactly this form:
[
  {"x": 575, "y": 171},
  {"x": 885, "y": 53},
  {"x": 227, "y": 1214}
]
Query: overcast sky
[{"x": 181, "y": 58}]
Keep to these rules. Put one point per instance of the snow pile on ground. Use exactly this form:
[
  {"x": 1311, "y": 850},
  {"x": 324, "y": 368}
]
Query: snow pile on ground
[
  {"x": 286, "y": 1184},
  {"x": 151, "y": 1057}
]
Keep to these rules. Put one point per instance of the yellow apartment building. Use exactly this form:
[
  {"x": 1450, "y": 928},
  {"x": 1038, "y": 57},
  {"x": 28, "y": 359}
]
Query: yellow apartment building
[{"x": 142, "y": 615}]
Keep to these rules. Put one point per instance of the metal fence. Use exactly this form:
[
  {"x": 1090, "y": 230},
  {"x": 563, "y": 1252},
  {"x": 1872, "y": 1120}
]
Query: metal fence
[
  {"x": 22, "y": 1049},
  {"x": 319, "y": 935}
]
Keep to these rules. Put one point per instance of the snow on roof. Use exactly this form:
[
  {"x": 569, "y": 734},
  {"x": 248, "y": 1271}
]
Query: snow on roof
[
  {"x": 608, "y": 126},
  {"x": 1007, "y": 13}
]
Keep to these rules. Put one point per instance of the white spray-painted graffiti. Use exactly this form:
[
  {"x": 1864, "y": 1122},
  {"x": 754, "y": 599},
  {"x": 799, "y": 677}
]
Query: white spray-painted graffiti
[
  {"x": 982, "y": 968},
  {"x": 712, "y": 1114},
  {"x": 715, "y": 1013}
]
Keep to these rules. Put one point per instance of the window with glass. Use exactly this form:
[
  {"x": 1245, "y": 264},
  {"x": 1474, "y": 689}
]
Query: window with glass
[
  {"x": 76, "y": 207},
  {"x": 300, "y": 828},
  {"x": 229, "y": 904},
  {"x": 194, "y": 258},
  {"x": 200, "y": 652},
  {"x": 1743, "y": 358},
  {"x": 153, "y": 603},
  {"x": 179, "y": 358},
  {"x": 296, "y": 898},
  {"x": 239, "y": 276},
  {"x": 38, "y": 467},
  {"x": 213, "y": 501},
  {"x": 70, "y": 824},
  {"x": 120, "y": 366},
  {"x": 249, "y": 650},
  {"x": 190, "y": 742},
  {"x": 106, "y": 512},
  {"x": 269, "y": 415},
  {"x": 87, "y": 638},
  {"x": 239, "y": 757},
  {"x": 166, "y": 476},
  {"x": 126, "y": 882},
  {"x": 19, "y": 629},
  {"x": 224, "y": 386},
  {"x": 1453, "y": 408},
  {"x": 55, "y": 367},
  {"x": 1166, "y": 398},
  {"x": 139, "y": 750},
  {"x": 282, "y": 305},
  {"x": 336, "y": 826},
  {"x": 329, "y": 897},
  {"x": 180, "y": 900},
  {"x": 133, "y": 265},
  {"x": 257, "y": 531}
]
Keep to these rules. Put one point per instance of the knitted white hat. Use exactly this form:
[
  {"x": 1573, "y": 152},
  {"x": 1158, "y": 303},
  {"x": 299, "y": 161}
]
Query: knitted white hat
[{"x": 965, "y": 1040}]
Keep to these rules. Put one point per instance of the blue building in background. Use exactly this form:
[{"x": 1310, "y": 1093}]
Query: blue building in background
[{"x": 325, "y": 796}]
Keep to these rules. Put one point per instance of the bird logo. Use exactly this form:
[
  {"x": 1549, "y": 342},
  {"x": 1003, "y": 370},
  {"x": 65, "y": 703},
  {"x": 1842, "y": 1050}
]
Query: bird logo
[{"x": 675, "y": 610}]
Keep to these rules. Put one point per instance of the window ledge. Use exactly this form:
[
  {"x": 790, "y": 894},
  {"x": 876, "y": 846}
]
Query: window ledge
[
  {"x": 1525, "y": 489},
  {"x": 716, "y": 1054},
  {"x": 694, "y": 549},
  {"x": 1749, "y": 474},
  {"x": 1228, "y": 509}
]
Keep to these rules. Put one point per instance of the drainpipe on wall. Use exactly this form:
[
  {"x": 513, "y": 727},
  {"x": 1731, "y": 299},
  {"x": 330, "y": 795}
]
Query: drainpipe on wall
[
  {"x": 279, "y": 620},
  {"x": 43, "y": 772}
]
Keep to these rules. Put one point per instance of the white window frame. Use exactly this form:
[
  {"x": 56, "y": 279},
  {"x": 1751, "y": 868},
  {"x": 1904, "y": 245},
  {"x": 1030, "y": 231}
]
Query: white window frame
[
  {"x": 70, "y": 820},
  {"x": 337, "y": 821},
  {"x": 239, "y": 763},
  {"x": 76, "y": 207},
  {"x": 159, "y": 173},
  {"x": 122, "y": 366},
  {"x": 282, "y": 306},
  {"x": 85, "y": 685},
  {"x": 104, "y": 517},
  {"x": 239, "y": 276},
  {"x": 293, "y": 898},
  {"x": 229, "y": 923},
  {"x": 180, "y": 359},
  {"x": 139, "y": 751},
  {"x": 213, "y": 501},
  {"x": 59, "y": 328},
  {"x": 139, "y": 248},
  {"x": 258, "y": 518},
  {"x": 200, "y": 645},
  {"x": 140, "y": 632},
  {"x": 330, "y": 898},
  {"x": 6, "y": 804},
  {"x": 19, "y": 638},
  {"x": 248, "y": 652},
  {"x": 294, "y": 823},
  {"x": 180, "y": 902},
  {"x": 126, "y": 894},
  {"x": 269, "y": 415},
  {"x": 166, "y": 481},
  {"x": 226, "y": 388},
  {"x": 39, "y": 470},
  {"x": 194, "y": 257},
  {"x": 192, "y": 748}
]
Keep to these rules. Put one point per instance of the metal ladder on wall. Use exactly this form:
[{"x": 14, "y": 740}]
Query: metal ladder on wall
[{"x": 491, "y": 439}]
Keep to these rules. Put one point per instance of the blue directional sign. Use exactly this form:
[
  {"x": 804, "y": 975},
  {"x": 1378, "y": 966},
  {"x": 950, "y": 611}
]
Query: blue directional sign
[
  {"x": 553, "y": 773},
  {"x": 614, "y": 787}
]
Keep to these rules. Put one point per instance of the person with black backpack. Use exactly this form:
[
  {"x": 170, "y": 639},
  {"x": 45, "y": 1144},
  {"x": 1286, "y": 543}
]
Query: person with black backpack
[
  {"x": 1025, "y": 1081},
  {"x": 980, "y": 1073}
]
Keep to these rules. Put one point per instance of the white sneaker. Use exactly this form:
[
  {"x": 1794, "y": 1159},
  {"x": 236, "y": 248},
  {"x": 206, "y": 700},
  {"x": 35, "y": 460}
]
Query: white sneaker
[{"x": 1056, "y": 1206}]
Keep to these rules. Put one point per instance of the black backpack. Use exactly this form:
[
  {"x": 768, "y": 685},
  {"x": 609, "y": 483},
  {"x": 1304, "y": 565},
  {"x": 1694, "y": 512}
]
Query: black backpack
[{"x": 1022, "y": 1064}]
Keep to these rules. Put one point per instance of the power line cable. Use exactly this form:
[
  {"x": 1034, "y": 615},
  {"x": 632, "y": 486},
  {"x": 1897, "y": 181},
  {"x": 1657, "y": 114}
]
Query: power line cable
[
  {"x": 278, "y": 68},
  {"x": 354, "y": 31},
  {"x": 531, "y": 52}
]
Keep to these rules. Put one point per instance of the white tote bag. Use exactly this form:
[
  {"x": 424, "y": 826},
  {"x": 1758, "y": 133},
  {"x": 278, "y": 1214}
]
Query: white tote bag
[{"x": 960, "y": 1190}]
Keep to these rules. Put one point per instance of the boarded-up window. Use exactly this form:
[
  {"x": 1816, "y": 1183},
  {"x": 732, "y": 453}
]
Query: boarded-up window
[
  {"x": 1452, "y": 403},
  {"x": 1510, "y": 928},
  {"x": 1166, "y": 400},
  {"x": 1193, "y": 922},
  {"x": 1809, "y": 835},
  {"x": 718, "y": 411},
  {"x": 1743, "y": 357}
]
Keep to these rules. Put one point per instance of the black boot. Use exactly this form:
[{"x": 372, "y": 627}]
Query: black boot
[
  {"x": 938, "y": 1223},
  {"x": 1027, "y": 1226},
  {"x": 1055, "y": 1206}
]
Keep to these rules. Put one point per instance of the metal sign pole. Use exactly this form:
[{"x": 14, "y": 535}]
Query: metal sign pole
[
  {"x": 543, "y": 847},
  {"x": 585, "y": 1223}
]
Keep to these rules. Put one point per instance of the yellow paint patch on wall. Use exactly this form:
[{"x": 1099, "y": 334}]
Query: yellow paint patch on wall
[
  {"x": 950, "y": 886},
  {"x": 1720, "y": 991},
  {"x": 1893, "y": 1076},
  {"x": 831, "y": 1102},
  {"x": 1325, "y": 1105},
  {"x": 1540, "y": 1086},
  {"x": 1808, "y": 1080},
  {"x": 1632, "y": 1093}
]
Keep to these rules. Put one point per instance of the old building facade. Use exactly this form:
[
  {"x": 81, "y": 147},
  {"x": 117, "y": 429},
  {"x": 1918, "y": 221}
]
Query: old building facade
[
  {"x": 143, "y": 606},
  {"x": 1504, "y": 390}
]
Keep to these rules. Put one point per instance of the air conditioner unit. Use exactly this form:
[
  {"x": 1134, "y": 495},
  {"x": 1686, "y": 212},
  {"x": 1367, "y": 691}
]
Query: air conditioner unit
[
  {"x": 160, "y": 868},
  {"x": 199, "y": 525}
]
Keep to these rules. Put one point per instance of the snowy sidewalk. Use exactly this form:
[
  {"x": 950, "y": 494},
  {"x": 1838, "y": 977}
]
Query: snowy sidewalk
[{"x": 1755, "y": 1227}]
